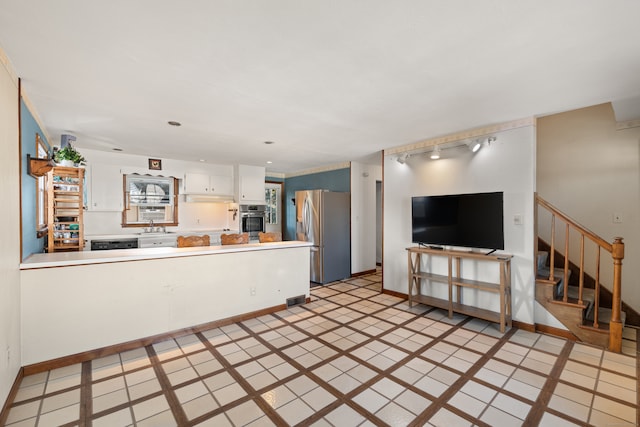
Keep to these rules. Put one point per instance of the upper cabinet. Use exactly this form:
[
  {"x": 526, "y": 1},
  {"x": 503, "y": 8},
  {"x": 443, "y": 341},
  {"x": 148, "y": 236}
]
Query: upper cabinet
[
  {"x": 106, "y": 188},
  {"x": 250, "y": 184},
  {"x": 215, "y": 185}
]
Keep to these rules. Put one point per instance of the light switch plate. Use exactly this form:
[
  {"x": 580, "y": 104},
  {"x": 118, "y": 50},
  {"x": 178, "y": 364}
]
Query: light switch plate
[{"x": 517, "y": 219}]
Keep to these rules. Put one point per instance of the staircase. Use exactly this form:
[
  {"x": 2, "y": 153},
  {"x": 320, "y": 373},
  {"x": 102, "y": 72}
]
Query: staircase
[{"x": 576, "y": 306}]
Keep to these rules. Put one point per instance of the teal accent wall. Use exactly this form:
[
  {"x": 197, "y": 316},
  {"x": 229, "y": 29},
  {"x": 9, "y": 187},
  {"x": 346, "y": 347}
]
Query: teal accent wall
[
  {"x": 29, "y": 127},
  {"x": 335, "y": 180}
]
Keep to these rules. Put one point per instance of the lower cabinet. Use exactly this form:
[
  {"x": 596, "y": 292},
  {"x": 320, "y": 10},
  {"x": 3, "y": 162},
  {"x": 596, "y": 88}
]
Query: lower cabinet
[{"x": 158, "y": 241}]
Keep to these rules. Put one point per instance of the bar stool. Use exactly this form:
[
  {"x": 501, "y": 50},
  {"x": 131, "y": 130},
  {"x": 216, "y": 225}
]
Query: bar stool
[
  {"x": 270, "y": 237},
  {"x": 190, "y": 241},
  {"x": 234, "y": 239}
]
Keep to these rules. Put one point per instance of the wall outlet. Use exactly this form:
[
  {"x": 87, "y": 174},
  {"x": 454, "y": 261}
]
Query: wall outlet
[
  {"x": 253, "y": 291},
  {"x": 517, "y": 219},
  {"x": 8, "y": 355},
  {"x": 617, "y": 218},
  {"x": 197, "y": 220}
]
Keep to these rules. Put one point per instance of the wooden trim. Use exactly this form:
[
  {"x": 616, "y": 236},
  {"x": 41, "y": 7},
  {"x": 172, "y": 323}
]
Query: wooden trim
[
  {"x": 4, "y": 60},
  {"x": 4, "y": 413},
  {"x": 628, "y": 124},
  {"x": 550, "y": 330},
  {"x": 570, "y": 221},
  {"x": 604, "y": 294},
  {"x": 143, "y": 342},
  {"x": 364, "y": 273},
  {"x": 126, "y": 204},
  {"x": 395, "y": 293},
  {"x": 37, "y": 167},
  {"x": 524, "y": 326},
  {"x": 460, "y": 136}
]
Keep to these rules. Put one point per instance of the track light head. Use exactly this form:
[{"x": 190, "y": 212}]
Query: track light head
[
  {"x": 435, "y": 154},
  {"x": 402, "y": 158},
  {"x": 475, "y": 145}
]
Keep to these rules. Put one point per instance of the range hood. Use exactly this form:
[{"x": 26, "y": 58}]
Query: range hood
[{"x": 208, "y": 198}]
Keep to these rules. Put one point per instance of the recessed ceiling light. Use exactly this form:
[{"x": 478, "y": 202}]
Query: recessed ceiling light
[
  {"x": 269, "y": 142},
  {"x": 269, "y": 162},
  {"x": 202, "y": 160},
  {"x": 174, "y": 123}
]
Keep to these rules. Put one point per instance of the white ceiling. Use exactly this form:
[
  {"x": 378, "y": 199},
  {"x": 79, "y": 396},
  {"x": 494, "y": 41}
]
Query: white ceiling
[{"x": 328, "y": 81}]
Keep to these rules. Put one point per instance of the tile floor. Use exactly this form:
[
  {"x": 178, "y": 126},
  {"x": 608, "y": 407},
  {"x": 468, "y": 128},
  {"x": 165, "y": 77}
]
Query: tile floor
[{"x": 351, "y": 357}]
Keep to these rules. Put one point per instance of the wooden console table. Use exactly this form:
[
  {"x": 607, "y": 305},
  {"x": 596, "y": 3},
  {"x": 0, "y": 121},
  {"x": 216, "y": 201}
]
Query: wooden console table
[{"x": 454, "y": 280}]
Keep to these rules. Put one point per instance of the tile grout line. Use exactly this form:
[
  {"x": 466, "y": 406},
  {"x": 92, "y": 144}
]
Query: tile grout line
[
  {"x": 174, "y": 404},
  {"x": 442, "y": 400},
  {"x": 341, "y": 398},
  {"x": 346, "y": 296},
  {"x": 412, "y": 354},
  {"x": 86, "y": 395},
  {"x": 251, "y": 393},
  {"x": 544, "y": 397},
  {"x": 416, "y": 353}
]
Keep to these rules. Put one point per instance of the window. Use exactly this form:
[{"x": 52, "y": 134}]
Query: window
[
  {"x": 271, "y": 198},
  {"x": 150, "y": 200},
  {"x": 41, "y": 190}
]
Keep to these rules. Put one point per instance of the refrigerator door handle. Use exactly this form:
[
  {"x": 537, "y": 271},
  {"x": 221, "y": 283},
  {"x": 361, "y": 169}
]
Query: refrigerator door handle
[{"x": 306, "y": 218}]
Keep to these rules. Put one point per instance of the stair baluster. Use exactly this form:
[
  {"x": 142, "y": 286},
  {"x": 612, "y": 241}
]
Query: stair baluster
[{"x": 616, "y": 249}]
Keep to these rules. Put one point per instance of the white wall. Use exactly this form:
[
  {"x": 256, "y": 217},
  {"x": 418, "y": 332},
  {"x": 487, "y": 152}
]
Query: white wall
[
  {"x": 363, "y": 216},
  {"x": 590, "y": 171},
  {"x": 191, "y": 216},
  {"x": 10, "y": 357},
  {"x": 507, "y": 165},
  {"x": 136, "y": 299}
]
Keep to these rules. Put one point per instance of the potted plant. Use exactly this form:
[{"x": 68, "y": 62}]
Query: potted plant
[{"x": 68, "y": 156}]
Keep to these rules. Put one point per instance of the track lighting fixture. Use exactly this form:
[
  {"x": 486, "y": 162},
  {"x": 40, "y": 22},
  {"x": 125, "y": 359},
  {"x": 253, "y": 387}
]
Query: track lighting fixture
[
  {"x": 402, "y": 158},
  {"x": 475, "y": 145},
  {"x": 435, "y": 154}
]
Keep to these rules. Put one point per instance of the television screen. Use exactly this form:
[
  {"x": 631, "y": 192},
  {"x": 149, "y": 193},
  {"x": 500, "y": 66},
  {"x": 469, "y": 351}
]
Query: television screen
[{"x": 468, "y": 220}]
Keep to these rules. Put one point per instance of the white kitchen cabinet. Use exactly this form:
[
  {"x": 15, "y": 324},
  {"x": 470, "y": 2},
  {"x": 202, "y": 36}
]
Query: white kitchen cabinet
[
  {"x": 250, "y": 184},
  {"x": 106, "y": 188},
  {"x": 200, "y": 183}
]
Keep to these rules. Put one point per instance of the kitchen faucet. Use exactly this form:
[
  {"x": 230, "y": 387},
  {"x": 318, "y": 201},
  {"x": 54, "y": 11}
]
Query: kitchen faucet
[{"x": 151, "y": 226}]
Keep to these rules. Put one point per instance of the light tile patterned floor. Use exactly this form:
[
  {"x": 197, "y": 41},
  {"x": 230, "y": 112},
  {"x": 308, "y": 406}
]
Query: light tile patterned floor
[{"x": 351, "y": 357}]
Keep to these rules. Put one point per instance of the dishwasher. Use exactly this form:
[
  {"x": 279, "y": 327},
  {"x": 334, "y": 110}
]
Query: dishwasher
[{"x": 109, "y": 244}]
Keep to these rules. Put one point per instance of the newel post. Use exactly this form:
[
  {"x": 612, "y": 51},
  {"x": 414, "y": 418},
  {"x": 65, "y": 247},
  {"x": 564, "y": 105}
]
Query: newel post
[{"x": 615, "y": 326}]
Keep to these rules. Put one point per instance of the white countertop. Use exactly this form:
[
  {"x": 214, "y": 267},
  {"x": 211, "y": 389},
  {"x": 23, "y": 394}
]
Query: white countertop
[{"x": 64, "y": 259}]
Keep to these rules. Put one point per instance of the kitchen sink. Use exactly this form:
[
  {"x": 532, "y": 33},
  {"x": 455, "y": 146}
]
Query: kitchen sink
[{"x": 155, "y": 233}]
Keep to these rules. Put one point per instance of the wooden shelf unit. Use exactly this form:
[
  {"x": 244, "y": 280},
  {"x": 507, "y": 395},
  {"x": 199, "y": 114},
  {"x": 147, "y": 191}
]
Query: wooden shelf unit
[
  {"x": 455, "y": 283},
  {"x": 65, "y": 207}
]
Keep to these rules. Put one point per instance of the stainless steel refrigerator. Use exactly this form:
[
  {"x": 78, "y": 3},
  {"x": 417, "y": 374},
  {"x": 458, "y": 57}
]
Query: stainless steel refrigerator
[{"x": 324, "y": 219}]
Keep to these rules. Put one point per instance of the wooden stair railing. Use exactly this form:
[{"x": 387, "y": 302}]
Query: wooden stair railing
[{"x": 616, "y": 249}]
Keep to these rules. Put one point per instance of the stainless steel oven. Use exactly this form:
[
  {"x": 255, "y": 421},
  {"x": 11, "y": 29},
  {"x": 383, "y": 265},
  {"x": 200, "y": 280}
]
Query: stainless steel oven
[{"x": 252, "y": 220}]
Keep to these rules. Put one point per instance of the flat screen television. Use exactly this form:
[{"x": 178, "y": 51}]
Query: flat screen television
[{"x": 467, "y": 220}]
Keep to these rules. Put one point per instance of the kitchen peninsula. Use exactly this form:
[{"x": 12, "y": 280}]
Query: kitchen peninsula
[{"x": 76, "y": 302}]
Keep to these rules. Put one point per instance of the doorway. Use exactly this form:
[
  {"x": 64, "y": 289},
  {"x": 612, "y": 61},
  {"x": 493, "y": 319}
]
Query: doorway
[
  {"x": 378, "y": 222},
  {"x": 273, "y": 199}
]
